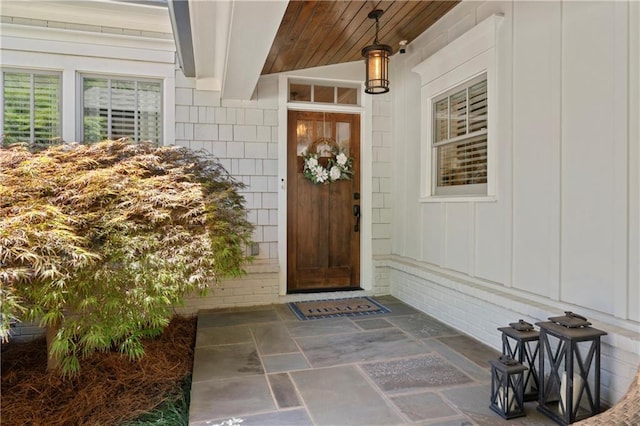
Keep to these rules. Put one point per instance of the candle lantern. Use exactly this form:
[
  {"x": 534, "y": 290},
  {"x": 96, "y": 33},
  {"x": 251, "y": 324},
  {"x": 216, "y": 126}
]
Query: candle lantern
[
  {"x": 569, "y": 368},
  {"x": 520, "y": 342},
  {"x": 507, "y": 380}
]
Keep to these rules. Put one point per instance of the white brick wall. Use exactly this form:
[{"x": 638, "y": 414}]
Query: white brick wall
[
  {"x": 478, "y": 310},
  {"x": 258, "y": 287}
]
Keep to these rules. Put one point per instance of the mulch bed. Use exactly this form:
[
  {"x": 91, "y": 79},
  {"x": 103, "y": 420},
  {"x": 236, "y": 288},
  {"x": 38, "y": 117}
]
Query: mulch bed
[{"x": 109, "y": 390}]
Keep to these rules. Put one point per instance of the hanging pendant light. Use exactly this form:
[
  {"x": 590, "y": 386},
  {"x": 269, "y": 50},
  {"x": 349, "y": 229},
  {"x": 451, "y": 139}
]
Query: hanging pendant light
[{"x": 376, "y": 58}]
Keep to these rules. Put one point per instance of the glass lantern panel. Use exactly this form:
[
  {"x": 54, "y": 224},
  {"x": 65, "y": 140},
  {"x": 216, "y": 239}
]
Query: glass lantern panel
[{"x": 583, "y": 403}]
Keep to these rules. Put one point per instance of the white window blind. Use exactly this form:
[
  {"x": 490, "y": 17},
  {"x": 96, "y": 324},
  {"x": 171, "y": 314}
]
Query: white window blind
[
  {"x": 31, "y": 107},
  {"x": 116, "y": 108},
  {"x": 460, "y": 124}
]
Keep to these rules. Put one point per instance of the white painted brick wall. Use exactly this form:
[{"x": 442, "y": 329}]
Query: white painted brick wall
[
  {"x": 479, "y": 310},
  {"x": 381, "y": 282},
  {"x": 259, "y": 286}
]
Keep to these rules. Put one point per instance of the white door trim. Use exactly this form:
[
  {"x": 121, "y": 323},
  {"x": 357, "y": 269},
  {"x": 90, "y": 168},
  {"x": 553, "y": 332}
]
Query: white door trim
[{"x": 366, "y": 261}]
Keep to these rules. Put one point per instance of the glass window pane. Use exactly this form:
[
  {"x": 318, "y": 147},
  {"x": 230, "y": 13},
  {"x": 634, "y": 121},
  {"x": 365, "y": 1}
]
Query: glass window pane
[
  {"x": 123, "y": 104},
  {"x": 17, "y": 107},
  {"x": 323, "y": 94},
  {"x": 122, "y": 108},
  {"x": 47, "y": 112},
  {"x": 463, "y": 163},
  {"x": 95, "y": 102},
  {"x": 304, "y": 131},
  {"x": 478, "y": 108},
  {"x": 323, "y": 131},
  {"x": 149, "y": 112},
  {"x": 441, "y": 120},
  {"x": 300, "y": 92},
  {"x": 343, "y": 136},
  {"x": 347, "y": 95},
  {"x": 458, "y": 106},
  {"x": 31, "y": 107}
]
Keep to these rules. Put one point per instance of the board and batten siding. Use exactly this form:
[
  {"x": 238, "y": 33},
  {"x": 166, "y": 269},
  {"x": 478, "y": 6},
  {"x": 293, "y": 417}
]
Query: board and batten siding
[{"x": 563, "y": 230}]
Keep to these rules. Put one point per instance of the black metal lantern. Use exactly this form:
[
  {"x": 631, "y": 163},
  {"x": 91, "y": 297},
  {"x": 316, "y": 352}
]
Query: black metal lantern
[
  {"x": 520, "y": 341},
  {"x": 507, "y": 380},
  {"x": 569, "y": 368},
  {"x": 376, "y": 58}
]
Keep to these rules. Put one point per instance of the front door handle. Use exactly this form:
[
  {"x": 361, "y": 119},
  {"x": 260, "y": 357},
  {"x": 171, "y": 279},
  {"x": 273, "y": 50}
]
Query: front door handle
[{"x": 356, "y": 213}]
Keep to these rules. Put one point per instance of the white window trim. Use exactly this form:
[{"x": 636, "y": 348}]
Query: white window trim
[
  {"x": 325, "y": 82},
  {"x": 468, "y": 56}
]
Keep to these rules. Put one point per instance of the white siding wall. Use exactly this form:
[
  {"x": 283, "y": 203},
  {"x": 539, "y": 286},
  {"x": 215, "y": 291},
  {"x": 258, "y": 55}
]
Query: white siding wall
[
  {"x": 594, "y": 77},
  {"x": 381, "y": 149},
  {"x": 563, "y": 231},
  {"x": 243, "y": 135},
  {"x": 536, "y": 155}
]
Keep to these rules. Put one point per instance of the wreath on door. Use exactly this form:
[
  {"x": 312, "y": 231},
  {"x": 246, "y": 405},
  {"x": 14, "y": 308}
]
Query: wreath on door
[{"x": 339, "y": 165}]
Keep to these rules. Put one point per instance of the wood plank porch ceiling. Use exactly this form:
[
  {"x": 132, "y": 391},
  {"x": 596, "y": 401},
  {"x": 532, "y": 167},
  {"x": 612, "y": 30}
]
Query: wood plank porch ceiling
[{"x": 315, "y": 33}]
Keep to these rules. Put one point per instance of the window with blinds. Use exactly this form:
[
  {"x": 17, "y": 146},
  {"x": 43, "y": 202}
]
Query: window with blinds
[
  {"x": 117, "y": 108},
  {"x": 460, "y": 122},
  {"x": 31, "y": 105}
]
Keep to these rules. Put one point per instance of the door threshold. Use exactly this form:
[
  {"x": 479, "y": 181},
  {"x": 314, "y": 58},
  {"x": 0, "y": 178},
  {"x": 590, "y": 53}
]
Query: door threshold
[{"x": 325, "y": 290}]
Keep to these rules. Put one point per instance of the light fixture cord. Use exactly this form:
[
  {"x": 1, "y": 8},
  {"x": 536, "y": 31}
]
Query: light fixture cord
[{"x": 377, "y": 29}]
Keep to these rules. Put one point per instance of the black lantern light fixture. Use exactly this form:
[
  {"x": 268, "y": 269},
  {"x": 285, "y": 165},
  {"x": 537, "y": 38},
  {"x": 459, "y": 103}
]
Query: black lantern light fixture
[
  {"x": 507, "y": 387},
  {"x": 521, "y": 342},
  {"x": 376, "y": 58},
  {"x": 569, "y": 368}
]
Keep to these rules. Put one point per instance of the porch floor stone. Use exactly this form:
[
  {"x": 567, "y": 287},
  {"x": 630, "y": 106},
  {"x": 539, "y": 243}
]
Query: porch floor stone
[{"x": 262, "y": 366}]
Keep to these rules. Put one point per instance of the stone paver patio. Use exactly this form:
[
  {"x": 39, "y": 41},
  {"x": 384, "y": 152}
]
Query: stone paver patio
[{"x": 263, "y": 366}]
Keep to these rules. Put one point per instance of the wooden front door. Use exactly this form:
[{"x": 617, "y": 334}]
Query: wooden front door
[{"x": 323, "y": 220}]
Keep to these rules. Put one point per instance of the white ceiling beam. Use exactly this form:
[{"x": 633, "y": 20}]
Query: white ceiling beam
[
  {"x": 210, "y": 22},
  {"x": 253, "y": 28}
]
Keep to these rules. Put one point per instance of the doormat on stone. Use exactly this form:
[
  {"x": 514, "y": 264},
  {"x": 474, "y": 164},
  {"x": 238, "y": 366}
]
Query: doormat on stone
[{"x": 317, "y": 309}]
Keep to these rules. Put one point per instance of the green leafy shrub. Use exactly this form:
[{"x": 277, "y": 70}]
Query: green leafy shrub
[{"x": 100, "y": 241}]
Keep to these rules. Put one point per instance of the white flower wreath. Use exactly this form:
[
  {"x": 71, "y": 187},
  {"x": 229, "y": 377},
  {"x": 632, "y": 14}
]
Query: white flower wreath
[{"x": 339, "y": 167}]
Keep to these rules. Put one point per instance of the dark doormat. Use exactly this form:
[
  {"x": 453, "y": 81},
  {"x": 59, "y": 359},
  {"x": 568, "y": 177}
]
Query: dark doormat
[{"x": 353, "y": 306}]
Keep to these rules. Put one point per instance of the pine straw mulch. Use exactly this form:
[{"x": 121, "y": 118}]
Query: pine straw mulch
[{"x": 110, "y": 389}]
